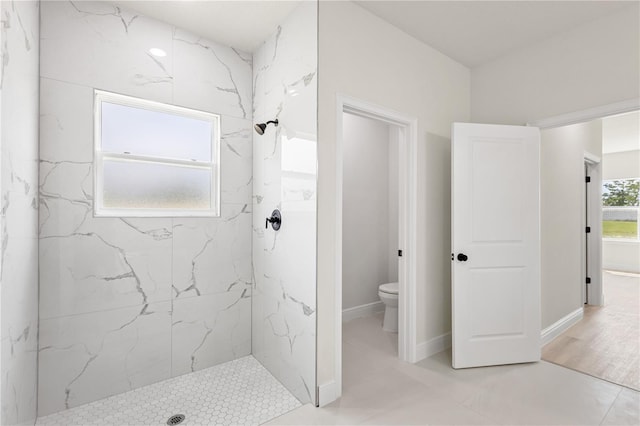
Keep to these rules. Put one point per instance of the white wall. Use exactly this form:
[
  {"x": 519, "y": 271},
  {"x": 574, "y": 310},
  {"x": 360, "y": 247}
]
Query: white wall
[
  {"x": 20, "y": 42},
  {"x": 284, "y": 297},
  {"x": 368, "y": 227},
  {"x": 381, "y": 64},
  {"x": 394, "y": 203},
  {"x": 561, "y": 204},
  {"x": 595, "y": 64},
  {"x": 125, "y": 302},
  {"x": 621, "y": 165},
  {"x": 621, "y": 255}
]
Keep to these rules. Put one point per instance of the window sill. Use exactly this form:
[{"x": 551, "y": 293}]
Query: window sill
[{"x": 621, "y": 240}]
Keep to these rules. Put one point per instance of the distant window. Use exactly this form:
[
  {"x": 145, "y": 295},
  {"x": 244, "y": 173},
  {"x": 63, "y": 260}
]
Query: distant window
[
  {"x": 620, "y": 208},
  {"x": 154, "y": 159}
]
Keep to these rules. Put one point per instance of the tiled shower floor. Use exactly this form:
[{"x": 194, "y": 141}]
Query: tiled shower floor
[{"x": 239, "y": 392}]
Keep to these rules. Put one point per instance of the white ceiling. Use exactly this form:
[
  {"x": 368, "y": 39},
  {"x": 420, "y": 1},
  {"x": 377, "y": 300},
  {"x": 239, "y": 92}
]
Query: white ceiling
[
  {"x": 240, "y": 24},
  {"x": 621, "y": 133},
  {"x": 475, "y": 32},
  {"x": 471, "y": 32}
]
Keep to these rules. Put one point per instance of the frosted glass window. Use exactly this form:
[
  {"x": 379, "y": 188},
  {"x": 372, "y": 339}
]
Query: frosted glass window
[
  {"x": 142, "y": 185},
  {"x": 154, "y": 159}
]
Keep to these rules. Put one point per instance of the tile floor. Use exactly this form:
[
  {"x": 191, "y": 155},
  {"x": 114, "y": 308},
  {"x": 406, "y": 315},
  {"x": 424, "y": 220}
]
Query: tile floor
[
  {"x": 379, "y": 389},
  {"x": 239, "y": 392}
]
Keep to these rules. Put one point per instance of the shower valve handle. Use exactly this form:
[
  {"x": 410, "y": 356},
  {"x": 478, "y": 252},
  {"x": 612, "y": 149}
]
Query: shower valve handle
[{"x": 275, "y": 220}]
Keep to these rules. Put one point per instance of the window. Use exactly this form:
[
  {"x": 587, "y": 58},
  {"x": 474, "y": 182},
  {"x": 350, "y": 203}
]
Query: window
[
  {"x": 154, "y": 159},
  {"x": 620, "y": 208}
]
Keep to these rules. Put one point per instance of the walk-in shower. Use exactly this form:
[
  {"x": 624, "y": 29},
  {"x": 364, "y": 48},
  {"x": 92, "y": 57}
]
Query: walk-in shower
[{"x": 143, "y": 315}]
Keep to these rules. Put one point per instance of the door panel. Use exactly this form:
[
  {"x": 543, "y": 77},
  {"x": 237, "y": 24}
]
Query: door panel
[
  {"x": 487, "y": 319},
  {"x": 495, "y": 223},
  {"x": 495, "y": 217}
]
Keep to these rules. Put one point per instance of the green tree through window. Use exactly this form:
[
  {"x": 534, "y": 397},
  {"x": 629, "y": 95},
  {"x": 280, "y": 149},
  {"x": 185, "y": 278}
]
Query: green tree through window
[{"x": 621, "y": 193}]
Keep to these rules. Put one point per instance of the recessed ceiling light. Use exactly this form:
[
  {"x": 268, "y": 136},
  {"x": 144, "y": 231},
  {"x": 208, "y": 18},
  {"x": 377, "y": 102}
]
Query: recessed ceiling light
[{"x": 157, "y": 52}]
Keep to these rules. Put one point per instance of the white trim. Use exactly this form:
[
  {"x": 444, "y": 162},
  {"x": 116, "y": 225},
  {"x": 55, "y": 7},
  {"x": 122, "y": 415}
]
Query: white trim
[
  {"x": 594, "y": 290},
  {"x": 327, "y": 393},
  {"x": 140, "y": 103},
  {"x": 591, "y": 158},
  {"x": 408, "y": 216},
  {"x": 190, "y": 164},
  {"x": 365, "y": 310},
  {"x": 338, "y": 255},
  {"x": 620, "y": 241},
  {"x": 433, "y": 346},
  {"x": 588, "y": 114},
  {"x": 560, "y": 326}
]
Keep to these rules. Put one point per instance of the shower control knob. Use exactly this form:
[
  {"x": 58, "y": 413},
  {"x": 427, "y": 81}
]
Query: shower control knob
[{"x": 275, "y": 220}]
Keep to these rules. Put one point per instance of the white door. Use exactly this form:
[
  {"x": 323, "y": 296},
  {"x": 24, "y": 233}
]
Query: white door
[{"x": 495, "y": 244}]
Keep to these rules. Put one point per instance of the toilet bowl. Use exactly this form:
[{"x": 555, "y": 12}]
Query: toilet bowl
[{"x": 388, "y": 294}]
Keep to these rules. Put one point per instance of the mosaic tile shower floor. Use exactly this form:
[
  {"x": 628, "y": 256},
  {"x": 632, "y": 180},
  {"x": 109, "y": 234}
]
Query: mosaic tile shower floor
[{"x": 239, "y": 392}]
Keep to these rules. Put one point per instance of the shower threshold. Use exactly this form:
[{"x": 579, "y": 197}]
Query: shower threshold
[{"x": 238, "y": 392}]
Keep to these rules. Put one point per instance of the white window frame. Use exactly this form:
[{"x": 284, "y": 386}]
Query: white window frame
[{"x": 99, "y": 157}]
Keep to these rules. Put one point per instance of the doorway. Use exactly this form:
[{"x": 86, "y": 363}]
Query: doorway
[
  {"x": 370, "y": 234},
  {"x": 404, "y": 131},
  {"x": 600, "y": 337}
]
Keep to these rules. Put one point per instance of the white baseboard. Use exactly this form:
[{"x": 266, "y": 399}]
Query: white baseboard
[
  {"x": 362, "y": 311},
  {"x": 433, "y": 346},
  {"x": 442, "y": 342},
  {"x": 327, "y": 393},
  {"x": 558, "y": 327}
]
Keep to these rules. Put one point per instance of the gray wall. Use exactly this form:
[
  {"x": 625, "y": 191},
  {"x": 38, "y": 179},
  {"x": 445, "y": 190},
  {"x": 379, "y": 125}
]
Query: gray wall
[
  {"x": 125, "y": 302},
  {"x": 369, "y": 210},
  {"x": 621, "y": 165},
  {"x": 19, "y": 38},
  {"x": 561, "y": 215},
  {"x": 595, "y": 64}
]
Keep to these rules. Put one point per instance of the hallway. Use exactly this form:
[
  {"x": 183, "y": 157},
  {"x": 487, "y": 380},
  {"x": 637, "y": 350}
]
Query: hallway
[{"x": 606, "y": 342}]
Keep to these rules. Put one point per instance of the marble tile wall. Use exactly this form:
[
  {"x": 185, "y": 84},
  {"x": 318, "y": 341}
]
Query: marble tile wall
[
  {"x": 284, "y": 170},
  {"x": 19, "y": 213},
  {"x": 125, "y": 302}
]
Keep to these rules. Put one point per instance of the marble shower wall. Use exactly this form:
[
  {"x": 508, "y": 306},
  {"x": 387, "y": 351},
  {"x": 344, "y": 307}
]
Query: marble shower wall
[
  {"x": 19, "y": 215},
  {"x": 284, "y": 170},
  {"x": 125, "y": 302}
]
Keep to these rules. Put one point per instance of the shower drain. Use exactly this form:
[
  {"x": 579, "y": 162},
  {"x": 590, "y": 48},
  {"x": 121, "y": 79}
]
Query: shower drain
[{"x": 176, "y": 419}]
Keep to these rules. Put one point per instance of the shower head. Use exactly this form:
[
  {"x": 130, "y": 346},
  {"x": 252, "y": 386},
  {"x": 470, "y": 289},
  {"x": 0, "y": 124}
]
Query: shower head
[{"x": 260, "y": 127}]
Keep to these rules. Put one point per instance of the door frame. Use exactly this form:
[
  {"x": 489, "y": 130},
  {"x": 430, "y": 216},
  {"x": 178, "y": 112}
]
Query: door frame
[
  {"x": 592, "y": 258},
  {"x": 582, "y": 116},
  {"x": 585, "y": 115},
  {"x": 407, "y": 213}
]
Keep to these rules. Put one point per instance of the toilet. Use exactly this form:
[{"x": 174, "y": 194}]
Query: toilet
[{"x": 388, "y": 294}]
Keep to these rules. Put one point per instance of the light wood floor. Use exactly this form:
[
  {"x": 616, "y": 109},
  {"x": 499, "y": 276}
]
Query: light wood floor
[{"x": 606, "y": 342}]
